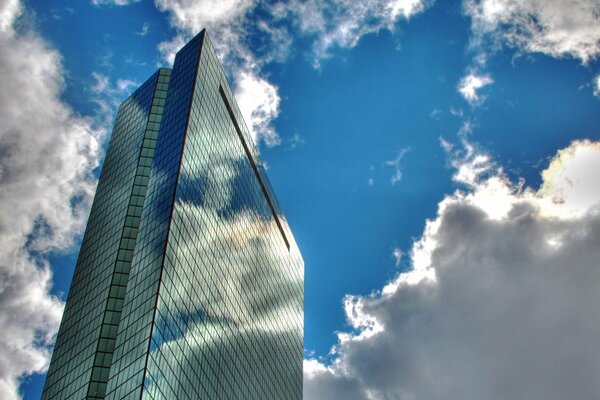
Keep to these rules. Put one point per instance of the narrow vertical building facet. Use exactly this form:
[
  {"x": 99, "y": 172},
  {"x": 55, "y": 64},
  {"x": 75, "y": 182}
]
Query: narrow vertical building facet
[{"x": 189, "y": 284}]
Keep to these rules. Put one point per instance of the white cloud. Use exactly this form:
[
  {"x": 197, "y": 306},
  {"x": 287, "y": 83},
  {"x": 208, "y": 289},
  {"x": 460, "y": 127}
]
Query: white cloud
[
  {"x": 259, "y": 102},
  {"x": 435, "y": 113},
  {"x": 342, "y": 23},
  {"x": 9, "y": 10},
  {"x": 554, "y": 27},
  {"x": 295, "y": 141},
  {"x": 114, "y": 2},
  {"x": 258, "y": 98},
  {"x": 193, "y": 16},
  {"x": 223, "y": 21},
  {"x": 470, "y": 84},
  {"x": 126, "y": 85},
  {"x": 107, "y": 96},
  {"x": 339, "y": 23},
  {"x": 145, "y": 30},
  {"x": 103, "y": 86},
  {"x": 596, "y": 84},
  {"x": 47, "y": 157},
  {"x": 457, "y": 112},
  {"x": 469, "y": 162},
  {"x": 395, "y": 165},
  {"x": 498, "y": 304},
  {"x": 397, "y": 255},
  {"x": 571, "y": 178}
]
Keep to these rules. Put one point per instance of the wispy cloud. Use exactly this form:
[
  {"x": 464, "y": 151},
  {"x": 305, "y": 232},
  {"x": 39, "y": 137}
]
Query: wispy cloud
[
  {"x": 58, "y": 14},
  {"x": 596, "y": 84},
  {"x": 114, "y": 2},
  {"x": 469, "y": 162},
  {"x": 342, "y": 23},
  {"x": 457, "y": 112},
  {"x": 295, "y": 141},
  {"x": 108, "y": 95},
  {"x": 435, "y": 113},
  {"x": 125, "y": 85},
  {"x": 394, "y": 164},
  {"x": 397, "y": 255},
  {"x": 553, "y": 27},
  {"x": 470, "y": 85},
  {"x": 231, "y": 23},
  {"x": 145, "y": 30}
]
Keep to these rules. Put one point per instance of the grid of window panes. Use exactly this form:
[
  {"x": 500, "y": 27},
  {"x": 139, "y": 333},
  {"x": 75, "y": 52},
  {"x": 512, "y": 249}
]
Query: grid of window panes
[
  {"x": 84, "y": 342},
  {"x": 229, "y": 317},
  {"x": 129, "y": 360},
  {"x": 214, "y": 306},
  {"x": 112, "y": 316}
]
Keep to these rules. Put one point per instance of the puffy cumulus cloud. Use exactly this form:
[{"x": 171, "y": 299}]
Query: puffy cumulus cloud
[
  {"x": 470, "y": 85},
  {"x": 553, "y": 27},
  {"x": 501, "y": 301},
  {"x": 570, "y": 179},
  {"x": 249, "y": 88},
  {"x": 47, "y": 158},
  {"x": 9, "y": 10},
  {"x": 193, "y": 15},
  {"x": 222, "y": 19},
  {"x": 342, "y": 23}
]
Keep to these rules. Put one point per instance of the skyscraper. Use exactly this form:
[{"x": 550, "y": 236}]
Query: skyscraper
[{"x": 189, "y": 284}]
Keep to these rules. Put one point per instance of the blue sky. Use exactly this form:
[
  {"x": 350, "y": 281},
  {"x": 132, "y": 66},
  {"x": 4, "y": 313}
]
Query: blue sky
[{"x": 427, "y": 154}]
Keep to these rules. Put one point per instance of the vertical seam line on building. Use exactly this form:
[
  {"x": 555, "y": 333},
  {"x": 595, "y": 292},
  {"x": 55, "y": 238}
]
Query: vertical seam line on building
[
  {"x": 254, "y": 167},
  {"x": 154, "y": 93},
  {"x": 162, "y": 267},
  {"x": 123, "y": 229}
]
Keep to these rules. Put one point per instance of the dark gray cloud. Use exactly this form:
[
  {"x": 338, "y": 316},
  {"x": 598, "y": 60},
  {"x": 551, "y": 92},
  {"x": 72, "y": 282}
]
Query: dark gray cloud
[{"x": 499, "y": 304}]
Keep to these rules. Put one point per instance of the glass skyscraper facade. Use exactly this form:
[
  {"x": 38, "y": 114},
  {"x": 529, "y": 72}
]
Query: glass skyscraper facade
[{"x": 189, "y": 284}]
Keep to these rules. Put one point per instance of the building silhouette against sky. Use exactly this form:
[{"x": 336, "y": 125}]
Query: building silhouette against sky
[{"x": 189, "y": 284}]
